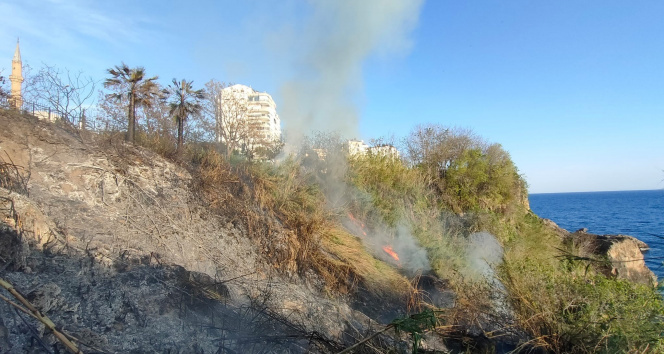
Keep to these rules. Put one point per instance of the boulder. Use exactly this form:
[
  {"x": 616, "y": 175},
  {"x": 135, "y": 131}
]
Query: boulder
[{"x": 624, "y": 255}]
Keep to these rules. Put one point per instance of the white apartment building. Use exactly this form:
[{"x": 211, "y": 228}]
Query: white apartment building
[
  {"x": 384, "y": 150},
  {"x": 357, "y": 147},
  {"x": 360, "y": 148},
  {"x": 240, "y": 102}
]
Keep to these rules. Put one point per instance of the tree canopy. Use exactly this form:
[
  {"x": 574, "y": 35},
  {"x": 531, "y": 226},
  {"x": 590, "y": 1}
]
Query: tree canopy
[
  {"x": 140, "y": 91},
  {"x": 185, "y": 102}
]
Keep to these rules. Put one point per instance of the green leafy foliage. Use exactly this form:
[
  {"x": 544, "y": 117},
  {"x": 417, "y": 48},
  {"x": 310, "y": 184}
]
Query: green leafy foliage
[
  {"x": 416, "y": 325},
  {"x": 467, "y": 173}
]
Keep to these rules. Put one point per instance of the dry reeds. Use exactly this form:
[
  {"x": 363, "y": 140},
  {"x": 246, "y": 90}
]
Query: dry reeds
[{"x": 12, "y": 177}]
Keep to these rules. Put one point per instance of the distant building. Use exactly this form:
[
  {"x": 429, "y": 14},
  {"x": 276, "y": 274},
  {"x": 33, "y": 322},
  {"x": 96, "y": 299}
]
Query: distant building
[
  {"x": 384, "y": 150},
  {"x": 257, "y": 109},
  {"x": 16, "y": 79},
  {"x": 360, "y": 148},
  {"x": 357, "y": 147},
  {"x": 46, "y": 115}
]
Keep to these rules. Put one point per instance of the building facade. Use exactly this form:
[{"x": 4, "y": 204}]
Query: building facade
[
  {"x": 253, "y": 114},
  {"x": 360, "y": 148},
  {"x": 384, "y": 150},
  {"x": 357, "y": 147}
]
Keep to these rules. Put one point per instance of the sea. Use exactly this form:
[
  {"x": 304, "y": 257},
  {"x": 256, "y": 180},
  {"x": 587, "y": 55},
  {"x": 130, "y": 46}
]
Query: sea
[{"x": 634, "y": 213}]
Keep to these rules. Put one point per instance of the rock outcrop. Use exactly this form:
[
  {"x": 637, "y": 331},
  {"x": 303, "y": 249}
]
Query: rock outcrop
[
  {"x": 624, "y": 255},
  {"x": 619, "y": 256}
]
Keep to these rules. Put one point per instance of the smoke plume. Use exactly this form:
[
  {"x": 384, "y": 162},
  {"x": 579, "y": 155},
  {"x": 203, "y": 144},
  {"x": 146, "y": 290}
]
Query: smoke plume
[
  {"x": 413, "y": 257},
  {"x": 380, "y": 239},
  {"x": 328, "y": 52},
  {"x": 330, "y": 49},
  {"x": 484, "y": 253}
]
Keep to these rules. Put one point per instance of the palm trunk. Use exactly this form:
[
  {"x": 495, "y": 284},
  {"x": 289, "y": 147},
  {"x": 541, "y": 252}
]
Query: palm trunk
[
  {"x": 181, "y": 119},
  {"x": 180, "y": 133},
  {"x": 131, "y": 128}
]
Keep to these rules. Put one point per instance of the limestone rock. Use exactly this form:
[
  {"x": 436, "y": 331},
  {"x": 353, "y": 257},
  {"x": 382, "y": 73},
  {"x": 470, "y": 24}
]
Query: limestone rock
[
  {"x": 623, "y": 253},
  {"x": 627, "y": 260}
]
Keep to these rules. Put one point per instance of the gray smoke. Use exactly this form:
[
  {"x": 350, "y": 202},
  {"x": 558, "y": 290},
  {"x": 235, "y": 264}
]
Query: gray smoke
[
  {"x": 413, "y": 258},
  {"x": 330, "y": 50},
  {"x": 328, "y": 53},
  {"x": 483, "y": 253}
]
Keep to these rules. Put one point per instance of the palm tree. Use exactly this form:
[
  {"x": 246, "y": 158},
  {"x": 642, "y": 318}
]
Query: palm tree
[
  {"x": 140, "y": 91},
  {"x": 186, "y": 102}
]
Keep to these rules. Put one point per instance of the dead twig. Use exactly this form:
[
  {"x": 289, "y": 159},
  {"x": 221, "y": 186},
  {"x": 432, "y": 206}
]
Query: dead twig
[
  {"x": 352, "y": 347},
  {"x": 11, "y": 178},
  {"x": 36, "y": 314}
]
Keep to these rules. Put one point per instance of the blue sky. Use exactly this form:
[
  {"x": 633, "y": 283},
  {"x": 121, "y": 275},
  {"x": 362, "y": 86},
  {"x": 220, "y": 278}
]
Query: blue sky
[{"x": 574, "y": 90}]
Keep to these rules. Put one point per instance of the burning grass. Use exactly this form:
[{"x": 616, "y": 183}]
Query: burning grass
[
  {"x": 378, "y": 276},
  {"x": 306, "y": 236}
]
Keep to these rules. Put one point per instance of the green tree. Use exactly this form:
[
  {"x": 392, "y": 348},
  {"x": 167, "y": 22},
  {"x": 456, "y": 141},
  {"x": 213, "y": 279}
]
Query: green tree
[
  {"x": 3, "y": 91},
  {"x": 467, "y": 180},
  {"x": 186, "y": 102},
  {"x": 466, "y": 172},
  {"x": 140, "y": 91}
]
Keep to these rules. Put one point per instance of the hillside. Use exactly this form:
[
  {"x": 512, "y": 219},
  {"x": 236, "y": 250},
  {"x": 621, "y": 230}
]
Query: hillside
[
  {"x": 110, "y": 242},
  {"x": 129, "y": 251}
]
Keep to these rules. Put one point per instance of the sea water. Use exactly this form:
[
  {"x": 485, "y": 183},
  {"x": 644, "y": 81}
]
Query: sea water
[{"x": 634, "y": 213}]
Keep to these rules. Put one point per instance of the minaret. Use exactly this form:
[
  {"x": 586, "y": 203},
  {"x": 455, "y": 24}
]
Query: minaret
[{"x": 16, "y": 78}]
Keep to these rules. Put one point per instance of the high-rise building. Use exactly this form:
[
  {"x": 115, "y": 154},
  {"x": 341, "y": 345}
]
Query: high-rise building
[
  {"x": 357, "y": 147},
  {"x": 16, "y": 78},
  {"x": 253, "y": 111}
]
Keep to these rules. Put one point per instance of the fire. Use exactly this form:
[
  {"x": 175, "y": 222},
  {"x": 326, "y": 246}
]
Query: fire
[
  {"x": 357, "y": 223},
  {"x": 388, "y": 249}
]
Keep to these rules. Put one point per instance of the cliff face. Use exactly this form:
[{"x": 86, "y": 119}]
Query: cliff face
[{"x": 109, "y": 241}]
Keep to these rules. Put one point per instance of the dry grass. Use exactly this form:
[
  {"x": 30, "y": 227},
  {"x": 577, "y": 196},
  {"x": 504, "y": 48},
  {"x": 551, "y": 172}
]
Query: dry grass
[
  {"x": 345, "y": 250},
  {"x": 280, "y": 208}
]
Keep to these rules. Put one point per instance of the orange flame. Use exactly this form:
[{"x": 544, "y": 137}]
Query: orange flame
[
  {"x": 388, "y": 249},
  {"x": 357, "y": 223}
]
